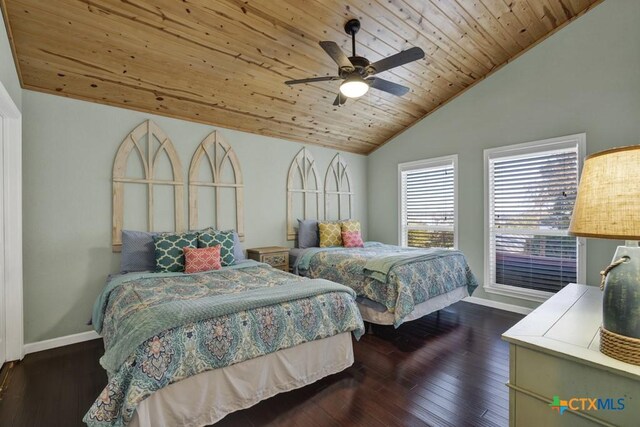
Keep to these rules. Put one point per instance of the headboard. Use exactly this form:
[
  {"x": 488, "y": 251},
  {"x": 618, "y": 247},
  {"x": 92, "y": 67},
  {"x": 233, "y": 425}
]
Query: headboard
[
  {"x": 151, "y": 146},
  {"x": 302, "y": 181},
  {"x": 219, "y": 154},
  {"x": 149, "y": 142},
  {"x": 338, "y": 187}
]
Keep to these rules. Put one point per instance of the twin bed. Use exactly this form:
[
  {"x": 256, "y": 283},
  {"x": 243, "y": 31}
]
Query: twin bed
[{"x": 393, "y": 284}]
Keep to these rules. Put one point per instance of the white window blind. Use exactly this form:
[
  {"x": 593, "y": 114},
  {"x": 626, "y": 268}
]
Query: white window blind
[
  {"x": 531, "y": 198},
  {"x": 428, "y": 203}
]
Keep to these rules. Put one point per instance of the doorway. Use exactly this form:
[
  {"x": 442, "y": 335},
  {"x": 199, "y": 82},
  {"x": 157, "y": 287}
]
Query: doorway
[
  {"x": 3, "y": 325},
  {"x": 11, "y": 306}
]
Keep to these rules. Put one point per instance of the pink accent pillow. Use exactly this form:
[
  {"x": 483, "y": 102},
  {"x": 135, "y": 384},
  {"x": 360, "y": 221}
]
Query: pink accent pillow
[
  {"x": 197, "y": 260},
  {"x": 352, "y": 239}
]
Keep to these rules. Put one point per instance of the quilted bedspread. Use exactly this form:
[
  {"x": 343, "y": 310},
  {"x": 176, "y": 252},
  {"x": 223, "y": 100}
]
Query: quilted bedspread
[
  {"x": 422, "y": 275},
  {"x": 293, "y": 311}
]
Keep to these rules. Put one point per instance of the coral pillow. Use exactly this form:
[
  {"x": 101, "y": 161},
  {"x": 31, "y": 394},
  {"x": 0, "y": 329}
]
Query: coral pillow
[
  {"x": 352, "y": 239},
  {"x": 202, "y": 259}
]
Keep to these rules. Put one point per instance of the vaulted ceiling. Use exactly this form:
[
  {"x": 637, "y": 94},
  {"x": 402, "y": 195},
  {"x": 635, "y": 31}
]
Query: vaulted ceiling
[{"x": 224, "y": 62}]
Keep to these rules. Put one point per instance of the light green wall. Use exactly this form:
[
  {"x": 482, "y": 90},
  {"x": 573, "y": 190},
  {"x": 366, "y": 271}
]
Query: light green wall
[
  {"x": 69, "y": 147},
  {"x": 8, "y": 73},
  {"x": 585, "y": 78}
]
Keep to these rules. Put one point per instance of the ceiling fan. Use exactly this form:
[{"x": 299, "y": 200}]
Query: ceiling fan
[{"x": 358, "y": 73}]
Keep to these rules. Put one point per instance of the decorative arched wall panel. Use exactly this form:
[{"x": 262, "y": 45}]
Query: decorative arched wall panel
[
  {"x": 338, "y": 185},
  {"x": 302, "y": 179},
  {"x": 218, "y": 155},
  {"x": 157, "y": 144}
]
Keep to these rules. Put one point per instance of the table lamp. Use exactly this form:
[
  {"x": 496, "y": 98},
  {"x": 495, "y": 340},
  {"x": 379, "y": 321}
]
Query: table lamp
[{"x": 608, "y": 207}]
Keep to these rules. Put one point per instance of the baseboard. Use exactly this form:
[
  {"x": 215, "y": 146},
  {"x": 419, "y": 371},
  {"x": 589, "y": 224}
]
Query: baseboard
[
  {"x": 499, "y": 305},
  {"x": 34, "y": 347}
]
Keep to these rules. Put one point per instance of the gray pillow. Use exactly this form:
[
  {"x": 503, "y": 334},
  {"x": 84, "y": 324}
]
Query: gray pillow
[
  {"x": 308, "y": 233},
  {"x": 238, "y": 253},
  {"x": 138, "y": 251}
]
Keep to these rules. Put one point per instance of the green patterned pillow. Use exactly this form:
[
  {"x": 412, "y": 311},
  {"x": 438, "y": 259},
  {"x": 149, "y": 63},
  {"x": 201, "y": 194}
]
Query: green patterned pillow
[
  {"x": 210, "y": 237},
  {"x": 168, "y": 250}
]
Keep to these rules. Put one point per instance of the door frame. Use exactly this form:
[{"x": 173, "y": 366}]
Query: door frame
[{"x": 12, "y": 198}]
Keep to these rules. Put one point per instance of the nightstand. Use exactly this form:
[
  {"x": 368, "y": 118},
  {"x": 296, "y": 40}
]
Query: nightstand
[{"x": 275, "y": 256}]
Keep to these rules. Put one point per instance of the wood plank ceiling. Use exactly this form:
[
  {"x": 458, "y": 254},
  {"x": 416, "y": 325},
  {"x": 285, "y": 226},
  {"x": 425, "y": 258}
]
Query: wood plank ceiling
[{"x": 224, "y": 62}]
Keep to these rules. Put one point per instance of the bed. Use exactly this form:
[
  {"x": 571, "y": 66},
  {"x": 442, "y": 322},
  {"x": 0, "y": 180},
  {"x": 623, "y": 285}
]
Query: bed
[
  {"x": 187, "y": 349},
  {"x": 393, "y": 284}
]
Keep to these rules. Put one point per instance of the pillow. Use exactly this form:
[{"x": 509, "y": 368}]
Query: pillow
[
  {"x": 352, "y": 239},
  {"x": 330, "y": 234},
  {"x": 238, "y": 252},
  {"x": 350, "y": 225},
  {"x": 138, "y": 251},
  {"x": 169, "y": 252},
  {"x": 308, "y": 233},
  {"x": 197, "y": 260},
  {"x": 225, "y": 239}
]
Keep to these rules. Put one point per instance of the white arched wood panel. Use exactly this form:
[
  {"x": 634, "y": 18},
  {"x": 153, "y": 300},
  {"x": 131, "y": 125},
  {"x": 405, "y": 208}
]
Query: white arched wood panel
[
  {"x": 219, "y": 155},
  {"x": 338, "y": 184},
  {"x": 149, "y": 155},
  {"x": 302, "y": 171}
]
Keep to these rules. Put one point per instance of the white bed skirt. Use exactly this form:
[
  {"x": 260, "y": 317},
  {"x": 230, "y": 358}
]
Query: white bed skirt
[
  {"x": 207, "y": 397},
  {"x": 372, "y": 315}
]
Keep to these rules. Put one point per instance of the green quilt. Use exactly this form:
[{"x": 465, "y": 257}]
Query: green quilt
[
  {"x": 396, "y": 277},
  {"x": 161, "y": 328}
]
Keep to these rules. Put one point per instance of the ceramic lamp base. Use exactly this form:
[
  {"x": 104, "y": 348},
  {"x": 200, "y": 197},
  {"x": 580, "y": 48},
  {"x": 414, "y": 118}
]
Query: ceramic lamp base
[
  {"x": 625, "y": 349},
  {"x": 621, "y": 297}
]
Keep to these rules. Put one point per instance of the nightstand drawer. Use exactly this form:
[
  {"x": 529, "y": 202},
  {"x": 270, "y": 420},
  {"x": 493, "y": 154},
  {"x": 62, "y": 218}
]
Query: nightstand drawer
[
  {"x": 275, "y": 256},
  {"x": 276, "y": 260}
]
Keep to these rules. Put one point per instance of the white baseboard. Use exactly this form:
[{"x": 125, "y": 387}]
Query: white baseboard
[
  {"x": 499, "y": 305},
  {"x": 34, "y": 347}
]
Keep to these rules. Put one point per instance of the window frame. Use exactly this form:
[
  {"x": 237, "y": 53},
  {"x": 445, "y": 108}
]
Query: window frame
[
  {"x": 519, "y": 150},
  {"x": 425, "y": 164}
]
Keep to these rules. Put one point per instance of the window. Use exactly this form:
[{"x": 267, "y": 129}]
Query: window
[
  {"x": 530, "y": 192},
  {"x": 428, "y": 203}
]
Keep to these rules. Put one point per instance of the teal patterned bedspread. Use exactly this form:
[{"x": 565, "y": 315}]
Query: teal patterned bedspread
[
  {"x": 424, "y": 274},
  {"x": 191, "y": 345}
]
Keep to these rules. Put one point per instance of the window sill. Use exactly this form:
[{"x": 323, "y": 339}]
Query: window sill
[{"x": 515, "y": 292}]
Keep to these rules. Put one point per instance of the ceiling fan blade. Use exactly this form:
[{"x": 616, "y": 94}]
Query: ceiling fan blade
[
  {"x": 340, "y": 99},
  {"x": 387, "y": 86},
  {"x": 334, "y": 51},
  {"x": 312, "y": 79},
  {"x": 401, "y": 58}
]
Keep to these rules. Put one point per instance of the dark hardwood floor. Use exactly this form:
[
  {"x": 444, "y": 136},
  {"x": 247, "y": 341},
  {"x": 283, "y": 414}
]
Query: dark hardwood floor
[{"x": 446, "y": 369}]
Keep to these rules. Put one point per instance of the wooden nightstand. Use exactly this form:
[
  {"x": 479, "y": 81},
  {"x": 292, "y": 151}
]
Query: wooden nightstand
[{"x": 275, "y": 256}]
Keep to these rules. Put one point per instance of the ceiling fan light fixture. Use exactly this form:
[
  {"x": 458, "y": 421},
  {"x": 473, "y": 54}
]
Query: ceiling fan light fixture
[{"x": 354, "y": 87}]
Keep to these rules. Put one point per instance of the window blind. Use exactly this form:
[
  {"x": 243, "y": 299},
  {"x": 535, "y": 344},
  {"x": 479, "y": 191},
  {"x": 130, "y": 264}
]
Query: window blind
[
  {"x": 428, "y": 205},
  {"x": 530, "y": 205}
]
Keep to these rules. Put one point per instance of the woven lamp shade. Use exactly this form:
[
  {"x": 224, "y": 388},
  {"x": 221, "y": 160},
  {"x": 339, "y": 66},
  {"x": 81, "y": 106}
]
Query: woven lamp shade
[{"x": 608, "y": 202}]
